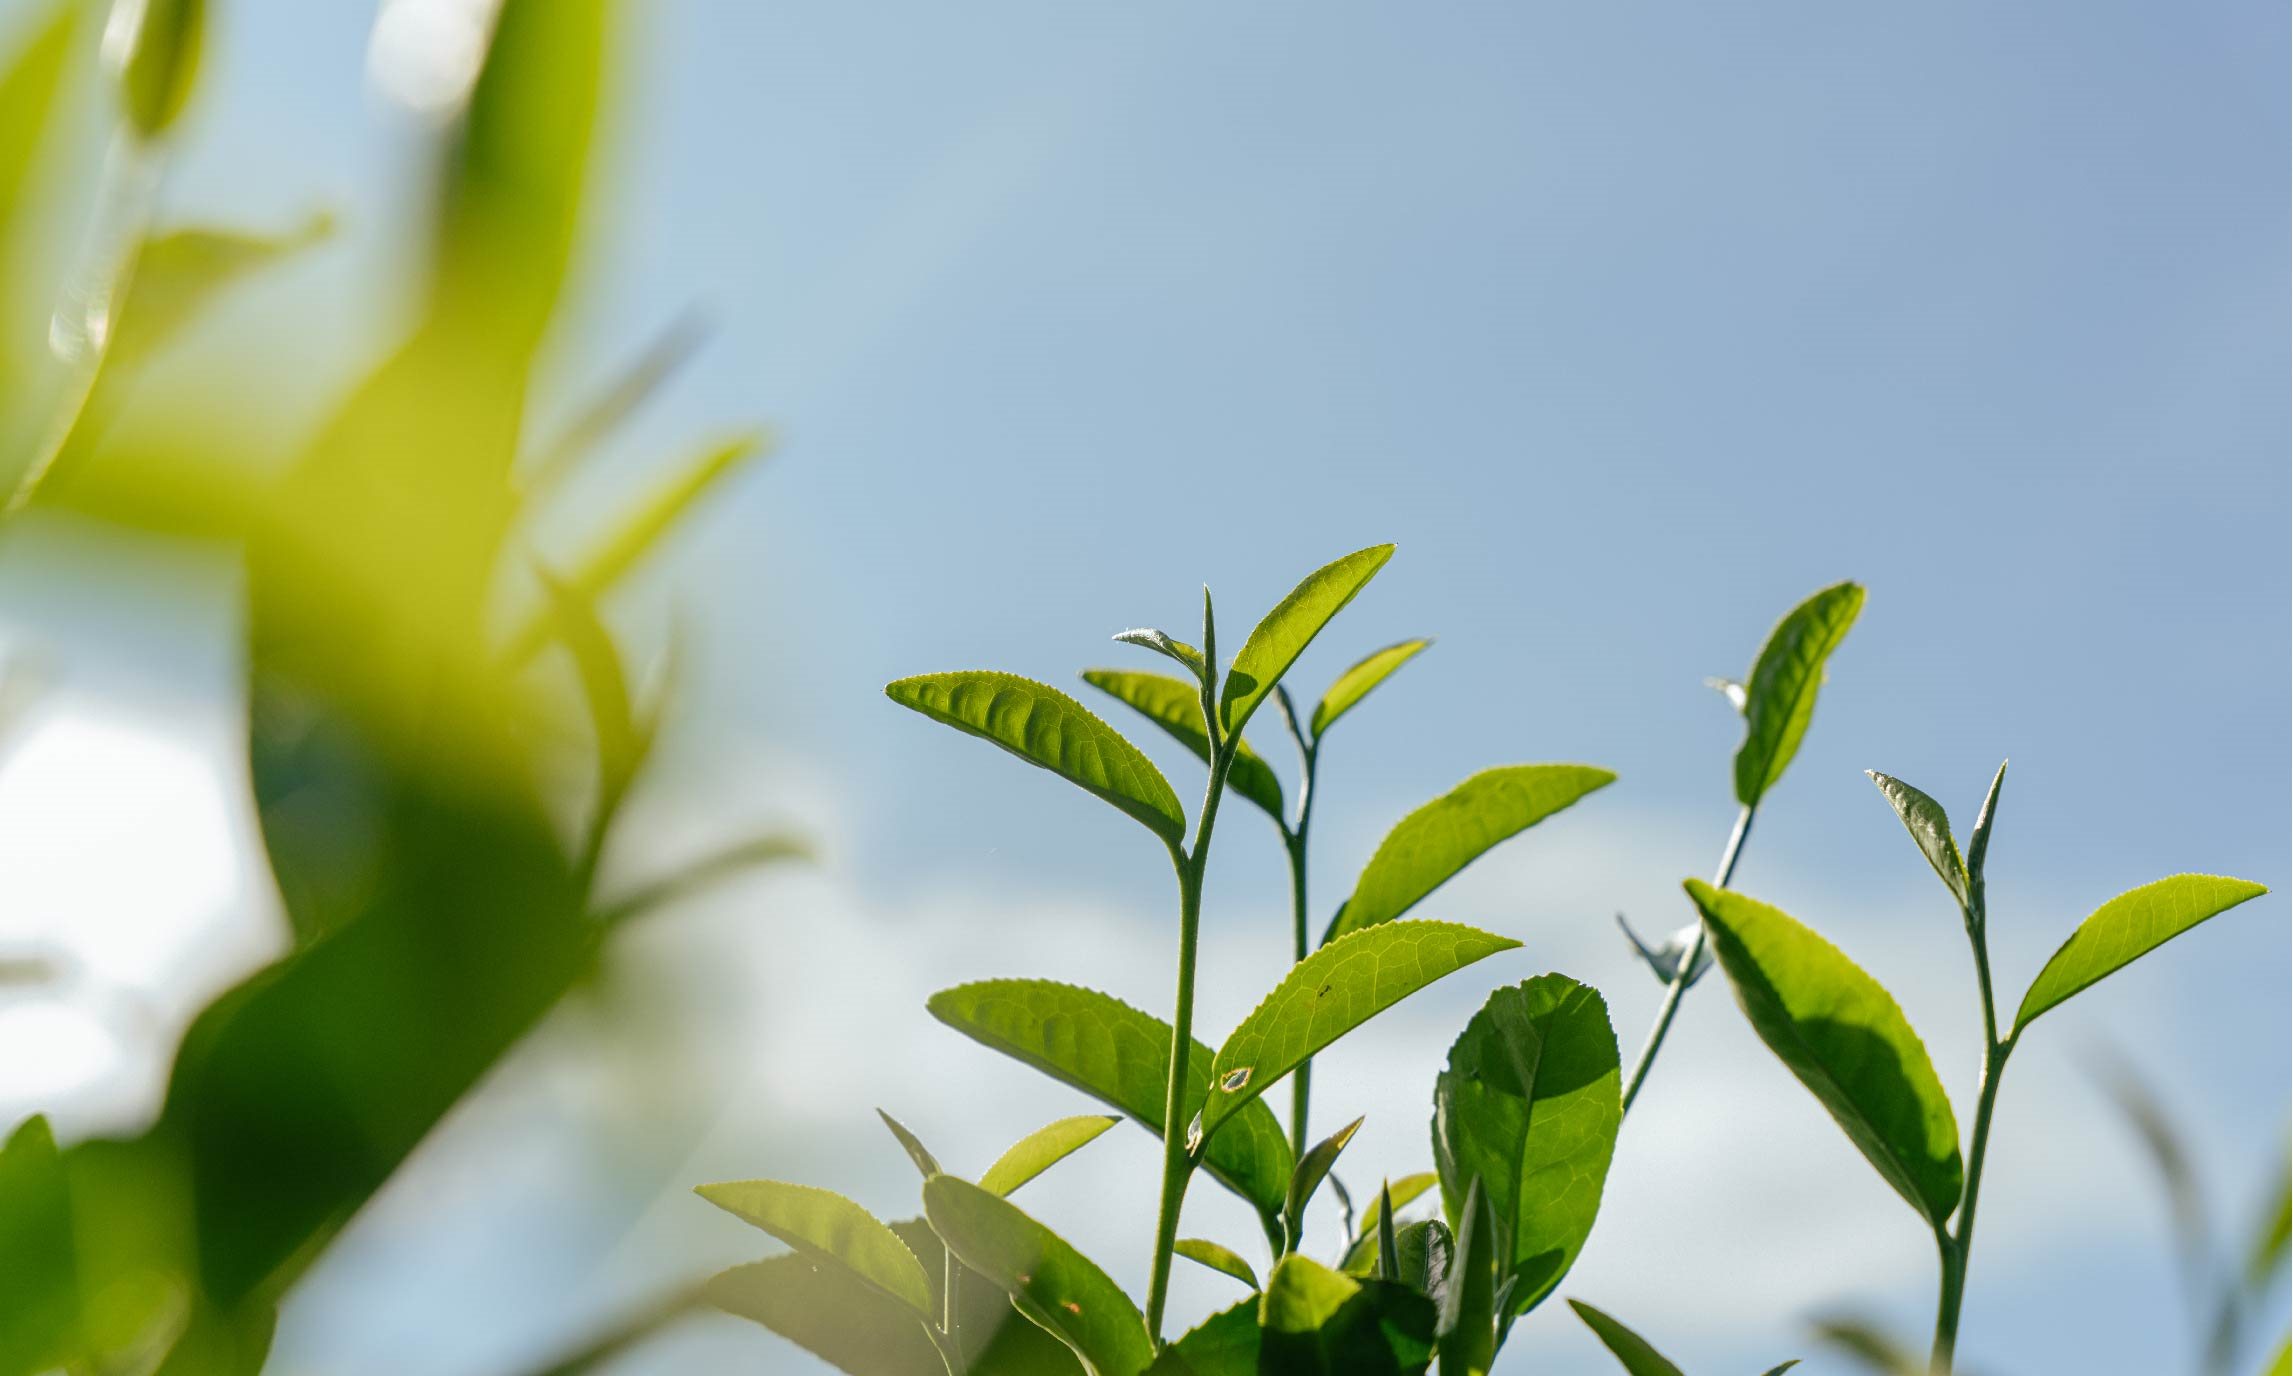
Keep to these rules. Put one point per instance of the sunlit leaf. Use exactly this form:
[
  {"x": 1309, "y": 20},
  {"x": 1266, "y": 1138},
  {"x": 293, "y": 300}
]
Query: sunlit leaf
[
  {"x": 1042, "y": 1149},
  {"x": 1050, "y": 1282},
  {"x": 1045, "y": 727},
  {"x": 1313, "y": 1168},
  {"x": 2126, "y": 928},
  {"x": 1171, "y": 648},
  {"x": 1223, "y": 1260},
  {"x": 827, "y": 1227},
  {"x": 1469, "y": 1311},
  {"x": 1632, "y": 1350},
  {"x": 1177, "y": 708},
  {"x": 1355, "y": 683},
  {"x": 824, "y": 1310},
  {"x": 1428, "y": 847},
  {"x": 40, "y": 1302},
  {"x": 1277, "y": 640},
  {"x": 1845, "y": 1038},
  {"x": 1328, "y": 994},
  {"x": 1780, "y": 692},
  {"x": 1930, "y": 829},
  {"x": 1120, "y": 1056},
  {"x": 925, "y": 1163},
  {"x": 1529, "y": 1106}
]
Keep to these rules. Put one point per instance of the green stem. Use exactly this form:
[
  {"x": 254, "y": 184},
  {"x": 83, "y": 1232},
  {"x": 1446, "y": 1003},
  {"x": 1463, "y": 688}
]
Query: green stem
[
  {"x": 1680, "y": 978},
  {"x": 1958, "y": 1243},
  {"x": 1301, "y": 936}
]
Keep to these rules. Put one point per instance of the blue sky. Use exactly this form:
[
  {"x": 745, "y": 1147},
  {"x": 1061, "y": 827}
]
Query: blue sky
[{"x": 1631, "y": 326}]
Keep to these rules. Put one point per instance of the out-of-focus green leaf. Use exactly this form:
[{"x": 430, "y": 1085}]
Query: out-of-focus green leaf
[
  {"x": 920, "y": 1155},
  {"x": 827, "y": 1227},
  {"x": 156, "y": 45},
  {"x": 1529, "y": 1106},
  {"x": 1224, "y": 1260},
  {"x": 1779, "y": 695},
  {"x": 1328, "y": 994},
  {"x": 1469, "y": 1311},
  {"x": 1042, "y": 1149},
  {"x": 1170, "y": 704},
  {"x": 1045, "y": 727},
  {"x": 994, "y": 1338},
  {"x": 1225, "y": 1344},
  {"x": 2265, "y": 1255},
  {"x": 621, "y": 743},
  {"x": 1313, "y": 1168},
  {"x": 611, "y": 405},
  {"x": 1120, "y": 1056},
  {"x": 712, "y": 867},
  {"x": 28, "y": 86},
  {"x": 1632, "y": 1350},
  {"x": 2282, "y": 1363},
  {"x": 1864, "y": 1341},
  {"x": 1171, "y": 648},
  {"x": 1428, "y": 847},
  {"x": 1978, "y": 843},
  {"x": 1355, "y": 683},
  {"x": 1050, "y": 1282},
  {"x": 40, "y": 1301},
  {"x": 1930, "y": 828},
  {"x": 1845, "y": 1038},
  {"x": 1276, "y": 641},
  {"x": 830, "y": 1314},
  {"x": 180, "y": 273},
  {"x": 2126, "y": 928}
]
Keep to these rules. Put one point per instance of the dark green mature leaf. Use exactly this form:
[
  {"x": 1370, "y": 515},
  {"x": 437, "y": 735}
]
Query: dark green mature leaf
[
  {"x": 1045, "y": 727},
  {"x": 1170, "y": 704},
  {"x": 1276, "y": 641},
  {"x": 829, "y": 1314},
  {"x": 926, "y": 1164},
  {"x": 1042, "y": 1149},
  {"x": 1224, "y": 1260},
  {"x": 1424, "y": 1252},
  {"x": 1978, "y": 843},
  {"x": 827, "y": 1227},
  {"x": 1313, "y": 1168},
  {"x": 2127, "y": 928},
  {"x": 1225, "y": 1344},
  {"x": 1355, "y": 683},
  {"x": 1930, "y": 829},
  {"x": 1779, "y": 696},
  {"x": 40, "y": 1301},
  {"x": 1529, "y": 1106},
  {"x": 1050, "y": 1282},
  {"x": 1314, "y": 1321},
  {"x": 1632, "y": 1350},
  {"x": 1328, "y": 994},
  {"x": 1170, "y": 648},
  {"x": 1120, "y": 1056},
  {"x": 1428, "y": 847},
  {"x": 1469, "y": 1311},
  {"x": 1845, "y": 1038}
]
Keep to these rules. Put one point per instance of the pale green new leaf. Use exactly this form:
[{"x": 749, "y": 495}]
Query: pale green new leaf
[
  {"x": 1223, "y": 1260},
  {"x": 181, "y": 272},
  {"x": 827, "y": 1227},
  {"x": 1530, "y": 1105},
  {"x": 1045, "y": 727},
  {"x": 1276, "y": 641},
  {"x": 1978, "y": 842},
  {"x": 1355, "y": 683},
  {"x": 1845, "y": 1038},
  {"x": 1469, "y": 1310},
  {"x": 2127, "y": 928},
  {"x": 926, "y": 1164},
  {"x": 1120, "y": 1056},
  {"x": 1930, "y": 829},
  {"x": 1632, "y": 1350},
  {"x": 1328, "y": 994},
  {"x": 28, "y": 87},
  {"x": 1429, "y": 846},
  {"x": 1177, "y": 708},
  {"x": 823, "y": 1310},
  {"x": 1779, "y": 695},
  {"x": 1042, "y": 1149},
  {"x": 1170, "y": 647},
  {"x": 1313, "y": 1168},
  {"x": 1048, "y": 1280}
]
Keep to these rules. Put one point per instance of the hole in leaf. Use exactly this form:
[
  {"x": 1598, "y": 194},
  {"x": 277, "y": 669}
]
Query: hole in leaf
[{"x": 1235, "y": 1079}]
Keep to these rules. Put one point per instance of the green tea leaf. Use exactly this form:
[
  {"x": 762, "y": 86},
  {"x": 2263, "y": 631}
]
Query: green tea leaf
[
  {"x": 1313, "y": 1168},
  {"x": 1355, "y": 683},
  {"x": 1042, "y": 1149},
  {"x": 995, "y": 1339},
  {"x": 712, "y": 867},
  {"x": 1172, "y": 648},
  {"x": 1428, "y": 847},
  {"x": 1170, "y": 704},
  {"x": 1050, "y": 1282},
  {"x": 1842, "y": 1034},
  {"x": 1664, "y": 961},
  {"x": 827, "y": 1227},
  {"x": 1225, "y": 1344},
  {"x": 607, "y": 407},
  {"x": 1276, "y": 642},
  {"x": 1630, "y": 1348},
  {"x": 926, "y": 1164},
  {"x": 1314, "y": 1321},
  {"x": 1529, "y": 1106},
  {"x": 1779, "y": 698},
  {"x": 1388, "y": 1246},
  {"x": 28, "y": 86},
  {"x": 1978, "y": 844},
  {"x": 1401, "y": 1193},
  {"x": 829, "y": 1314},
  {"x": 180, "y": 273},
  {"x": 1865, "y": 1342},
  {"x": 1930, "y": 829},
  {"x": 157, "y": 45},
  {"x": 621, "y": 743},
  {"x": 40, "y": 1303},
  {"x": 1120, "y": 1056},
  {"x": 2282, "y": 1363},
  {"x": 2127, "y": 928},
  {"x": 1469, "y": 1312},
  {"x": 1328, "y": 994},
  {"x": 1045, "y": 727},
  {"x": 1223, "y": 1260}
]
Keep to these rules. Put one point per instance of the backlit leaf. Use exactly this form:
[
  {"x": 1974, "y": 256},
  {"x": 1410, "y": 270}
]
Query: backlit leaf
[
  {"x": 995, "y": 1338},
  {"x": 1845, "y": 1038},
  {"x": 1050, "y": 1282},
  {"x": 1429, "y": 846},
  {"x": 1225, "y": 1344},
  {"x": 1223, "y": 1260},
  {"x": 1277, "y": 640},
  {"x": 1630, "y": 1348},
  {"x": 824, "y": 1310},
  {"x": 1313, "y": 1168},
  {"x": 28, "y": 87},
  {"x": 1779, "y": 695},
  {"x": 1469, "y": 1311},
  {"x": 925, "y": 1163},
  {"x": 1042, "y": 1149},
  {"x": 1177, "y": 708},
  {"x": 1356, "y": 683},
  {"x": 1169, "y": 647},
  {"x": 827, "y": 1227},
  {"x": 1045, "y": 727},
  {"x": 40, "y": 1303},
  {"x": 1930, "y": 829},
  {"x": 1328, "y": 994},
  {"x": 2127, "y": 928}
]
